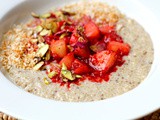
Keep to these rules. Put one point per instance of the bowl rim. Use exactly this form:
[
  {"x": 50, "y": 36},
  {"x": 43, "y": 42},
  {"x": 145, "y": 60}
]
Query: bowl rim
[{"x": 41, "y": 108}]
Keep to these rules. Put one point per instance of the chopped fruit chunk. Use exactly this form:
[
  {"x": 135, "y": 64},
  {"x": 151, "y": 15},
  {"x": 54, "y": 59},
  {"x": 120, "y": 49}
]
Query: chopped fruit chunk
[
  {"x": 79, "y": 67},
  {"x": 112, "y": 36},
  {"x": 123, "y": 48},
  {"x": 73, "y": 50},
  {"x": 48, "y": 39},
  {"x": 104, "y": 29},
  {"x": 82, "y": 52},
  {"x": 84, "y": 20},
  {"x": 73, "y": 40},
  {"x": 59, "y": 48},
  {"x": 77, "y": 37},
  {"x": 68, "y": 60},
  {"x": 91, "y": 30},
  {"x": 102, "y": 61},
  {"x": 98, "y": 47}
]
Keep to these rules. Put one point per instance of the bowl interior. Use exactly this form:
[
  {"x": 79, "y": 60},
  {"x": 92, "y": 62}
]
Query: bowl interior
[{"x": 134, "y": 9}]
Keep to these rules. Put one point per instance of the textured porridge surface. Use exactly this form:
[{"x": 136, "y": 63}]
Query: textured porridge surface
[{"x": 127, "y": 77}]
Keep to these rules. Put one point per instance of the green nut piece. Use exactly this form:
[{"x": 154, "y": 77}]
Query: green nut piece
[
  {"x": 46, "y": 15},
  {"x": 52, "y": 74},
  {"x": 44, "y": 32},
  {"x": 64, "y": 67},
  {"x": 43, "y": 50},
  {"x": 67, "y": 74},
  {"x": 39, "y": 28},
  {"x": 38, "y": 66},
  {"x": 78, "y": 76},
  {"x": 34, "y": 15}
]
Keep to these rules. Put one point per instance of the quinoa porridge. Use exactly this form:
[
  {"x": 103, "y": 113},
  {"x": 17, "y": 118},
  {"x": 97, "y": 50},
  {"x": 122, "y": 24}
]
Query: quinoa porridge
[{"x": 21, "y": 68}]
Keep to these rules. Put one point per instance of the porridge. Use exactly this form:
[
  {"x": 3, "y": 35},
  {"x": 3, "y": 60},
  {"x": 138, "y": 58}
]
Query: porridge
[{"x": 77, "y": 54}]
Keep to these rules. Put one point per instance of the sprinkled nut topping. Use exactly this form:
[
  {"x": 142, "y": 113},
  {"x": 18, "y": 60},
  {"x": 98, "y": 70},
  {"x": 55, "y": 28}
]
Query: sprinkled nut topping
[
  {"x": 46, "y": 15},
  {"x": 38, "y": 66},
  {"x": 46, "y": 81},
  {"x": 42, "y": 51},
  {"x": 52, "y": 74},
  {"x": 39, "y": 28},
  {"x": 44, "y": 32},
  {"x": 80, "y": 48},
  {"x": 34, "y": 15}
]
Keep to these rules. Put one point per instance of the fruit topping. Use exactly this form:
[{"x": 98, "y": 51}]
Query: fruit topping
[{"x": 73, "y": 50}]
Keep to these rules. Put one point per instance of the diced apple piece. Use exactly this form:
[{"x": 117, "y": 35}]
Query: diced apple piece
[
  {"x": 123, "y": 48},
  {"x": 68, "y": 60},
  {"x": 103, "y": 60},
  {"x": 91, "y": 31},
  {"x": 59, "y": 48},
  {"x": 79, "y": 67}
]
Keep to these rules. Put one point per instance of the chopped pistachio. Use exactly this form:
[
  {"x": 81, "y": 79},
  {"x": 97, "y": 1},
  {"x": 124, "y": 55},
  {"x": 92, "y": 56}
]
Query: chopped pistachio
[
  {"x": 52, "y": 74},
  {"x": 55, "y": 27},
  {"x": 59, "y": 14},
  {"x": 49, "y": 25},
  {"x": 63, "y": 35},
  {"x": 46, "y": 81},
  {"x": 48, "y": 56},
  {"x": 38, "y": 65},
  {"x": 42, "y": 51},
  {"x": 64, "y": 67},
  {"x": 46, "y": 15},
  {"x": 44, "y": 32},
  {"x": 43, "y": 22},
  {"x": 34, "y": 15},
  {"x": 67, "y": 74},
  {"x": 65, "y": 80},
  {"x": 49, "y": 32},
  {"x": 39, "y": 28},
  {"x": 78, "y": 76}
]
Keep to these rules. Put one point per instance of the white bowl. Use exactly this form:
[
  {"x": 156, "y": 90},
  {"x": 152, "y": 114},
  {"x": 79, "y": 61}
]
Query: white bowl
[{"x": 133, "y": 104}]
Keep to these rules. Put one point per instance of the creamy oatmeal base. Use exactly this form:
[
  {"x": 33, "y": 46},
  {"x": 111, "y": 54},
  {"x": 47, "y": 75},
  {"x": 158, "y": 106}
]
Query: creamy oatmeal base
[{"x": 127, "y": 77}]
